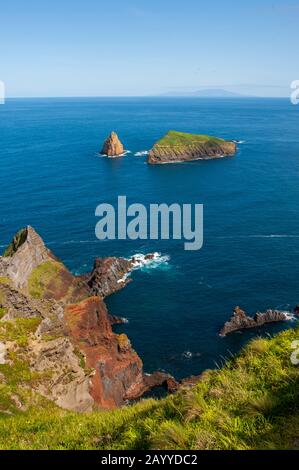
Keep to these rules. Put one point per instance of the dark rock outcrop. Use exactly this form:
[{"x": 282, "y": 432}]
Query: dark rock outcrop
[
  {"x": 112, "y": 146},
  {"x": 296, "y": 310},
  {"x": 151, "y": 381},
  {"x": 114, "y": 320},
  {"x": 108, "y": 276},
  {"x": 240, "y": 321},
  {"x": 111, "y": 274}
]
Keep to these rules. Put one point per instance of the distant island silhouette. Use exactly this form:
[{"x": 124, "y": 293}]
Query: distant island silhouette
[{"x": 204, "y": 93}]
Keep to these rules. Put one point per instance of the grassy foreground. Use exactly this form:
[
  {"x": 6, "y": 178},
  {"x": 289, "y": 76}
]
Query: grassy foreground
[
  {"x": 174, "y": 138},
  {"x": 252, "y": 402}
]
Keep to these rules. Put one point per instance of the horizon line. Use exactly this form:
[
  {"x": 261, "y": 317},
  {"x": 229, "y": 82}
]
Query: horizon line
[{"x": 148, "y": 96}]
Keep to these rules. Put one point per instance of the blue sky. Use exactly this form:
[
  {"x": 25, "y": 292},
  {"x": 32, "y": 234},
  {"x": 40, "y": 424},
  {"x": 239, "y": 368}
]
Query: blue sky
[{"x": 130, "y": 47}]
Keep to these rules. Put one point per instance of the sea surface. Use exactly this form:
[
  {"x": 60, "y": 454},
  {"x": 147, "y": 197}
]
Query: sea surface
[{"x": 52, "y": 178}]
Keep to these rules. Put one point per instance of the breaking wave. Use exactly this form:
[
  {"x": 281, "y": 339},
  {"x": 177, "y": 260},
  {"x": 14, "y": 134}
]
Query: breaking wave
[
  {"x": 126, "y": 152},
  {"x": 190, "y": 355},
  {"x": 152, "y": 261},
  {"x": 124, "y": 320},
  {"x": 272, "y": 235},
  {"x": 289, "y": 316},
  {"x": 187, "y": 354}
]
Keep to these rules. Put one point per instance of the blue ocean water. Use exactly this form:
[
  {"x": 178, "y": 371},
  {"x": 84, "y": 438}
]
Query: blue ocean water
[{"x": 52, "y": 178}]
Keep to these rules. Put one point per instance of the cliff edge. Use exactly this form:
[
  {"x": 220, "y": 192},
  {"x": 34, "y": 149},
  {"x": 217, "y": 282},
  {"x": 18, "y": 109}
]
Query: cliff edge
[{"x": 56, "y": 336}]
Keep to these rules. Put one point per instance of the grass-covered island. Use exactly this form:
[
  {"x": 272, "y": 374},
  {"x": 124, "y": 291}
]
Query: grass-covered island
[
  {"x": 180, "y": 146},
  {"x": 66, "y": 378}
]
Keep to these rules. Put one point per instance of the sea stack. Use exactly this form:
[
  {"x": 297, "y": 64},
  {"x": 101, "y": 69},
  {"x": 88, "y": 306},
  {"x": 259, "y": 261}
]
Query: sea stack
[
  {"x": 177, "y": 147},
  {"x": 112, "y": 146}
]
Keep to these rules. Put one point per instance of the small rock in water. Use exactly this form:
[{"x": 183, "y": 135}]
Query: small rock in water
[{"x": 240, "y": 321}]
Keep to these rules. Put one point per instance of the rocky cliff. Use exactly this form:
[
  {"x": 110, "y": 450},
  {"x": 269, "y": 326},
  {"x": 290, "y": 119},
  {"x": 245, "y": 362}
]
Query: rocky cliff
[
  {"x": 112, "y": 146},
  {"x": 34, "y": 269},
  {"x": 177, "y": 147},
  {"x": 111, "y": 274},
  {"x": 56, "y": 335},
  {"x": 23, "y": 255},
  {"x": 240, "y": 321}
]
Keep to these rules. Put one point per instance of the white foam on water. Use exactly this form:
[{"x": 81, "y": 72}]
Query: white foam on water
[
  {"x": 126, "y": 152},
  {"x": 124, "y": 278},
  {"x": 289, "y": 316},
  {"x": 74, "y": 242},
  {"x": 272, "y": 235},
  {"x": 190, "y": 355},
  {"x": 144, "y": 262},
  {"x": 187, "y": 354},
  {"x": 152, "y": 261}
]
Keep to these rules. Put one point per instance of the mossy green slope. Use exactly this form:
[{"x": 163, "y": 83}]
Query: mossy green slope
[
  {"x": 252, "y": 402},
  {"x": 51, "y": 280},
  {"x": 16, "y": 243}
]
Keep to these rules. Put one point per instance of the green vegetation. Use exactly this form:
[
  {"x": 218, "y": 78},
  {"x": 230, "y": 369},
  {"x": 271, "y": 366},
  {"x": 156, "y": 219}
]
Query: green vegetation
[
  {"x": 41, "y": 277},
  {"x": 252, "y": 402},
  {"x": 15, "y": 373},
  {"x": 174, "y": 138},
  {"x": 2, "y": 297},
  {"x": 123, "y": 341},
  {"x": 18, "y": 372},
  {"x": 2, "y": 312},
  {"x": 81, "y": 357},
  {"x": 17, "y": 241},
  {"x": 51, "y": 280}
]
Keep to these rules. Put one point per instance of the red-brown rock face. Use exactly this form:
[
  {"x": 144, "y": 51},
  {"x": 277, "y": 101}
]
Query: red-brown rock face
[
  {"x": 112, "y": 146},
  {"x": 117, "y": 366},
  {"x": 72, "y": 310}
]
